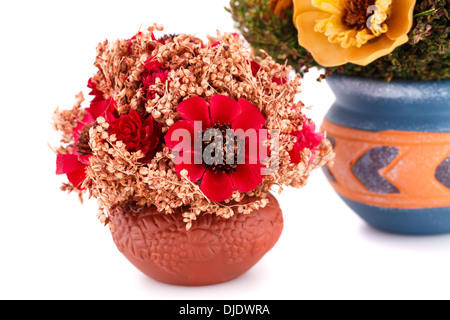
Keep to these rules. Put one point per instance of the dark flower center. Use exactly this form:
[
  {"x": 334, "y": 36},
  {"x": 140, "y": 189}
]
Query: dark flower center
[
  {"x": 356, "y": 14},
  {"x": 228, "y": 162},
  {"x": 83, "y": 141}
]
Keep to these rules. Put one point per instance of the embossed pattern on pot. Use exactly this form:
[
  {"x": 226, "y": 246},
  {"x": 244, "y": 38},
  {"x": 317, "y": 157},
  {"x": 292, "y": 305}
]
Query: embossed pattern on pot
[{"x": 214, "y": 250}]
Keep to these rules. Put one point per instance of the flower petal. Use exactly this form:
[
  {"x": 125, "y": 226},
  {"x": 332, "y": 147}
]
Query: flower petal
[
  {"x": 195, "y": 109},
  {"x": 255, "y": 67},
  {"x": 301, "y": 6},
  {"x": 217, "y": 186},
  {"x": 372, "y": 51},
  {"x": 247, "y": 177},
  {"x": 98, "y": 95},
  {"x": 257, "y": 147},
  {"x": 223, "y": 109},
  {"x": 66, "y": 163},
  {"x": 102, "y": 108},
  {"x": 337, "y": 32},
  {"x": 195, "y": 171},
  {"x": 325, "y": 53},
  {"x": 401, "y": 18},
  {"x": 84, "y": 159},
  {"x": 335, "y": 7},
  {"x": 77, "y": 177},
  {"x": 180, "y": 136},
  {"x": 306, "y": 138},
  {"x": 250, "y": 117},
  {"x": 295, "y": 154}
]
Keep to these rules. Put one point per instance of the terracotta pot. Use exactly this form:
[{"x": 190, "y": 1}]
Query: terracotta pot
[
  {"x": 214, "y": 250},
  {"x": 392, "y": 144}
]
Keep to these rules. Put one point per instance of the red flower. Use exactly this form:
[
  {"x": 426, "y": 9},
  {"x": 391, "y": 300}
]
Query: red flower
[
  {"x": 98, "y": 95},
  {"x": 70, "y": 165},
  {"x": 137, "y": 133},
  {"x": 153, "y": 70},
  {"x": 306, "y": 138},
  {"x": 74, "y": 165},
  {"x": 217, "y": 180},
  {"x": 100, "y": 108}
]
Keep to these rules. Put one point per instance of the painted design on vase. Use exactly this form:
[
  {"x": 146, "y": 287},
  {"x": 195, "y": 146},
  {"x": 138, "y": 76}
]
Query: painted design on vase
[
  {"x": 443, "y": 173},
  {"x": 395, "y": 169},
  {"x": 367, "y": 168},
  {"x": 392, "y": 145}
]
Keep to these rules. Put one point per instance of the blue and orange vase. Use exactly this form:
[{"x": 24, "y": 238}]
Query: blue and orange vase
[{"x": 392, "y": 144}]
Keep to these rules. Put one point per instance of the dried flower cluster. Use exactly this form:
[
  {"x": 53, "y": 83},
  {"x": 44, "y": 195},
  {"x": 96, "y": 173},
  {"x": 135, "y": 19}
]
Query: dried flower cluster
[{"x": 152, "y": 77}]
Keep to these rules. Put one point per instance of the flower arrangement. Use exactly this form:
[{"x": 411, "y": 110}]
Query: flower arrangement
[
  {"x": 161, "y": 108},
  {"x": 382, "y": 39}
]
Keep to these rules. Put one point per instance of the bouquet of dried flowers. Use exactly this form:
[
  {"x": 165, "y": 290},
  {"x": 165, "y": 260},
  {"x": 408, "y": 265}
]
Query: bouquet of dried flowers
[
  {"x": 382, "y": 39},
  {"x": 178, "y": 123}
]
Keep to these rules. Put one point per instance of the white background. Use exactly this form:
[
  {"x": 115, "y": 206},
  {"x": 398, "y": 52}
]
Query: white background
[{"x": 52, "y": 247}]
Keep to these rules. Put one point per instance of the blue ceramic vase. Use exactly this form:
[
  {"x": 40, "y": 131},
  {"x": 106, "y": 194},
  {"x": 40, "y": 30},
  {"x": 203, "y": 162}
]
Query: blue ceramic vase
[{"x": 392, "y": 144}]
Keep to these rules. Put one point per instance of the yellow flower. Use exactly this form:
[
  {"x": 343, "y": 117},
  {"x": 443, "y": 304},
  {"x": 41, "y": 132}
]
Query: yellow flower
[{"x": 336, "y": 32}]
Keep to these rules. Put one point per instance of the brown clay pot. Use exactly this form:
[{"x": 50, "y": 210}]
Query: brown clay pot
[{"x": 214, "y": 250}]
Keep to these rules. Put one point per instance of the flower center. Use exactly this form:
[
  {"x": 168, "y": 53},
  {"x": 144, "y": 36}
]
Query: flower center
[
  {"x": 224, "y": 144},
  {"x": 83, "y": 141},
  {"x": 354, "y": 22},
  {"x": 356, "y": 13}
]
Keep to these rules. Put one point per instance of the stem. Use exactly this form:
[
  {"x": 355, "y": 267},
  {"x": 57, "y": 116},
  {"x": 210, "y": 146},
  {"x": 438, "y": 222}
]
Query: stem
[{"x": 425, "y": 13}]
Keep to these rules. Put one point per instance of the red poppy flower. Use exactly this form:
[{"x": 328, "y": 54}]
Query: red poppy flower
[
  {"x": 74, "y": 165},
  {"x": 137, "y": 133},
  {"x": 306, "y": 138},
  {"x": 218, "y": 180}
]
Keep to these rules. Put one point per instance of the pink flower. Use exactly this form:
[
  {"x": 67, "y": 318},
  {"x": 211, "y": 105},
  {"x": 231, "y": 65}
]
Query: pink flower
[{"x": 306, "y": 138}]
